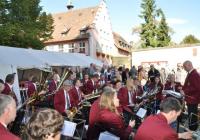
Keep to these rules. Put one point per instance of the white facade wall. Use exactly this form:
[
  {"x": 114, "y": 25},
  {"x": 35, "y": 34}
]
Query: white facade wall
[
  {"x": 101, "y": 36},
  {"x": 171, "y": 55},
  {"x": 104, "y": 33},
  {"x": 54, "y": 48},
  {"x": 66, "y": 47}
]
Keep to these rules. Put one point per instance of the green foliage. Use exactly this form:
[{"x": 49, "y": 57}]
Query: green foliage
[
  {"x": 153, "y": 34},
  {"x": 190, "y": 39},
  {"x": 3, "y": 7},
  {"x": 148, "y": 31},
  {"x": 24, "y": 24},
  {"x": 163, "y": 38}
]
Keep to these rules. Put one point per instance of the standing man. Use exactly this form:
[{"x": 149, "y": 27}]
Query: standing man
[
  {"x": 76, "y": 92},
  {"x": 7, "y": 115},
  {"x": 152, "y": 73},
  {"x": 63, "y": 100},
  {"x": 91, "y": 84},
  {"x": 8, "y": 89},
  {"x": 191, "y": 89},
  {"x": 156, "y": 127},
  {"x": 31, "y": 86}
]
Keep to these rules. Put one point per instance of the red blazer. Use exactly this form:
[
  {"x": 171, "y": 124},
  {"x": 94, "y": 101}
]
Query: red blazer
[
  {"x": 94, "y": 111},
  {"x": 92, "y": 132},
  {"x": 155, "y": 127},
  {"x": 59, "y": 101},
  {"x": 124, "y": 98},
  {"x": 109, "y": 119},
  {"x": 52, "y": 86},
  {"x": 84, "y": 81},
  {"x": 31, "y": 88},
  {"x": 89, "y": 87},
  {"x": 6, "y": 135},
  {"x": 83, "y": 87},
  {"x": 8, "y": 91},
  {"x": 75, "y": 96},
  {"x": 177, "y": 85},
  {"x": 191, "y": 88}
]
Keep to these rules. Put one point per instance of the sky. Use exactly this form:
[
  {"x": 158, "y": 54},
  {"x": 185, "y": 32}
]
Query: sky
[{"x": 182, "y": 15}]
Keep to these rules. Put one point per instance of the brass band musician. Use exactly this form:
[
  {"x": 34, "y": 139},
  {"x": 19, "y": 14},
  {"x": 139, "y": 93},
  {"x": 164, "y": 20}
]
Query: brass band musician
[
  {"x": 8, "y": 86},
  {"x": 63, "y": 100}
]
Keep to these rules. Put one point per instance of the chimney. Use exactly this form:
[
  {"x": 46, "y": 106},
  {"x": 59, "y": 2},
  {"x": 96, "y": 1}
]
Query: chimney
[{"x": 70, "y": 6}]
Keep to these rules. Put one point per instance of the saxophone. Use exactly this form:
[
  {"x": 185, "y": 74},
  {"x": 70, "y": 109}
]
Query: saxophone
[
  {"x": 71, "y": 113},
  {"x": 150, "y": 95}
]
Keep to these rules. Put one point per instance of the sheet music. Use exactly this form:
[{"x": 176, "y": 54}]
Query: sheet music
[
  {"x": 158, "y": 112},
  {"x": 108, "y": 136},
  {"x": 86, "y": 127},
  {"x": 68, "y": 128},
  {"x": 141, "y": 112}
]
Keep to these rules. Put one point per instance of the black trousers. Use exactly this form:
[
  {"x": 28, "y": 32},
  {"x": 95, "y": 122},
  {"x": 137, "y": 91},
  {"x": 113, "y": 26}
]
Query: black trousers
[{"x": 193, "y": 116}]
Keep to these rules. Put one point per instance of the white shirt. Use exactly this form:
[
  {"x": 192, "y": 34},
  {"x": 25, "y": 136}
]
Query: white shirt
[
  {"x": 67, "y": 105},
  {"x": 35, "y": 86},
  {"x": 190, "y": 71},
  {"x": 92, "y": 82},
  {"x": 130, "y": 95},
  {"x": 79, "y": 96},
  {"x": 4, "y": 124},
  {"x": 10, "y": 86}
]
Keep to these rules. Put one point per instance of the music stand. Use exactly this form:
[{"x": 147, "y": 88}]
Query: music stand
[
  {"x": 79, "y": 130},
  {"x": 141, "y": 113},
  {"x": 108, "y": 136},
  {"x": 190, "y": 119}
]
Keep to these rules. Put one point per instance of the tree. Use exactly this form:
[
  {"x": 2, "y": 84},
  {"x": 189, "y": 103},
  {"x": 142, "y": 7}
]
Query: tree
[
  {"x": 163, "y": 37},
  {"x": 3, "y": 7},
  {"x": 153, "y": 32},
  {"x": 26, "y": 25},
  {"x": 148, "y": 31},
  {"x": 190, "y": 39}
]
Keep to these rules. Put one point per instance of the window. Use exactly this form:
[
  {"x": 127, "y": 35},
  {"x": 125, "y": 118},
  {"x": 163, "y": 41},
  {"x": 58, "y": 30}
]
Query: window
[
  {"x": 60, "y": 48},
  {"x": 71, "y": 48},
  {"x": 82, "y": 47}
]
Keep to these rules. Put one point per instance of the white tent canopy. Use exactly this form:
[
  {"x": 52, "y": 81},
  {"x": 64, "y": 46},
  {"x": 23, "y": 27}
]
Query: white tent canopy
[
  {"x": 29, "y": 58},
  {"x": 20, "y": 58},
  {"x": 63, "y": 59},
  {"x": 52, "y": 58}
]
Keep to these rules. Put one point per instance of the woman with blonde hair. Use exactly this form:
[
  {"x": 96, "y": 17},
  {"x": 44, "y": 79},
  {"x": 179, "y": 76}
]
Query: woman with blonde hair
[
  {"x": 45, "y": 124},
  {"x": 110, "y": 118}
]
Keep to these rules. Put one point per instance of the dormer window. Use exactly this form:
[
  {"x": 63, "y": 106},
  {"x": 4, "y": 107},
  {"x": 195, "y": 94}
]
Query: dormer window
[
  {"x": 84, "y": 29},
  {"x": 65, "y": 31}
]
